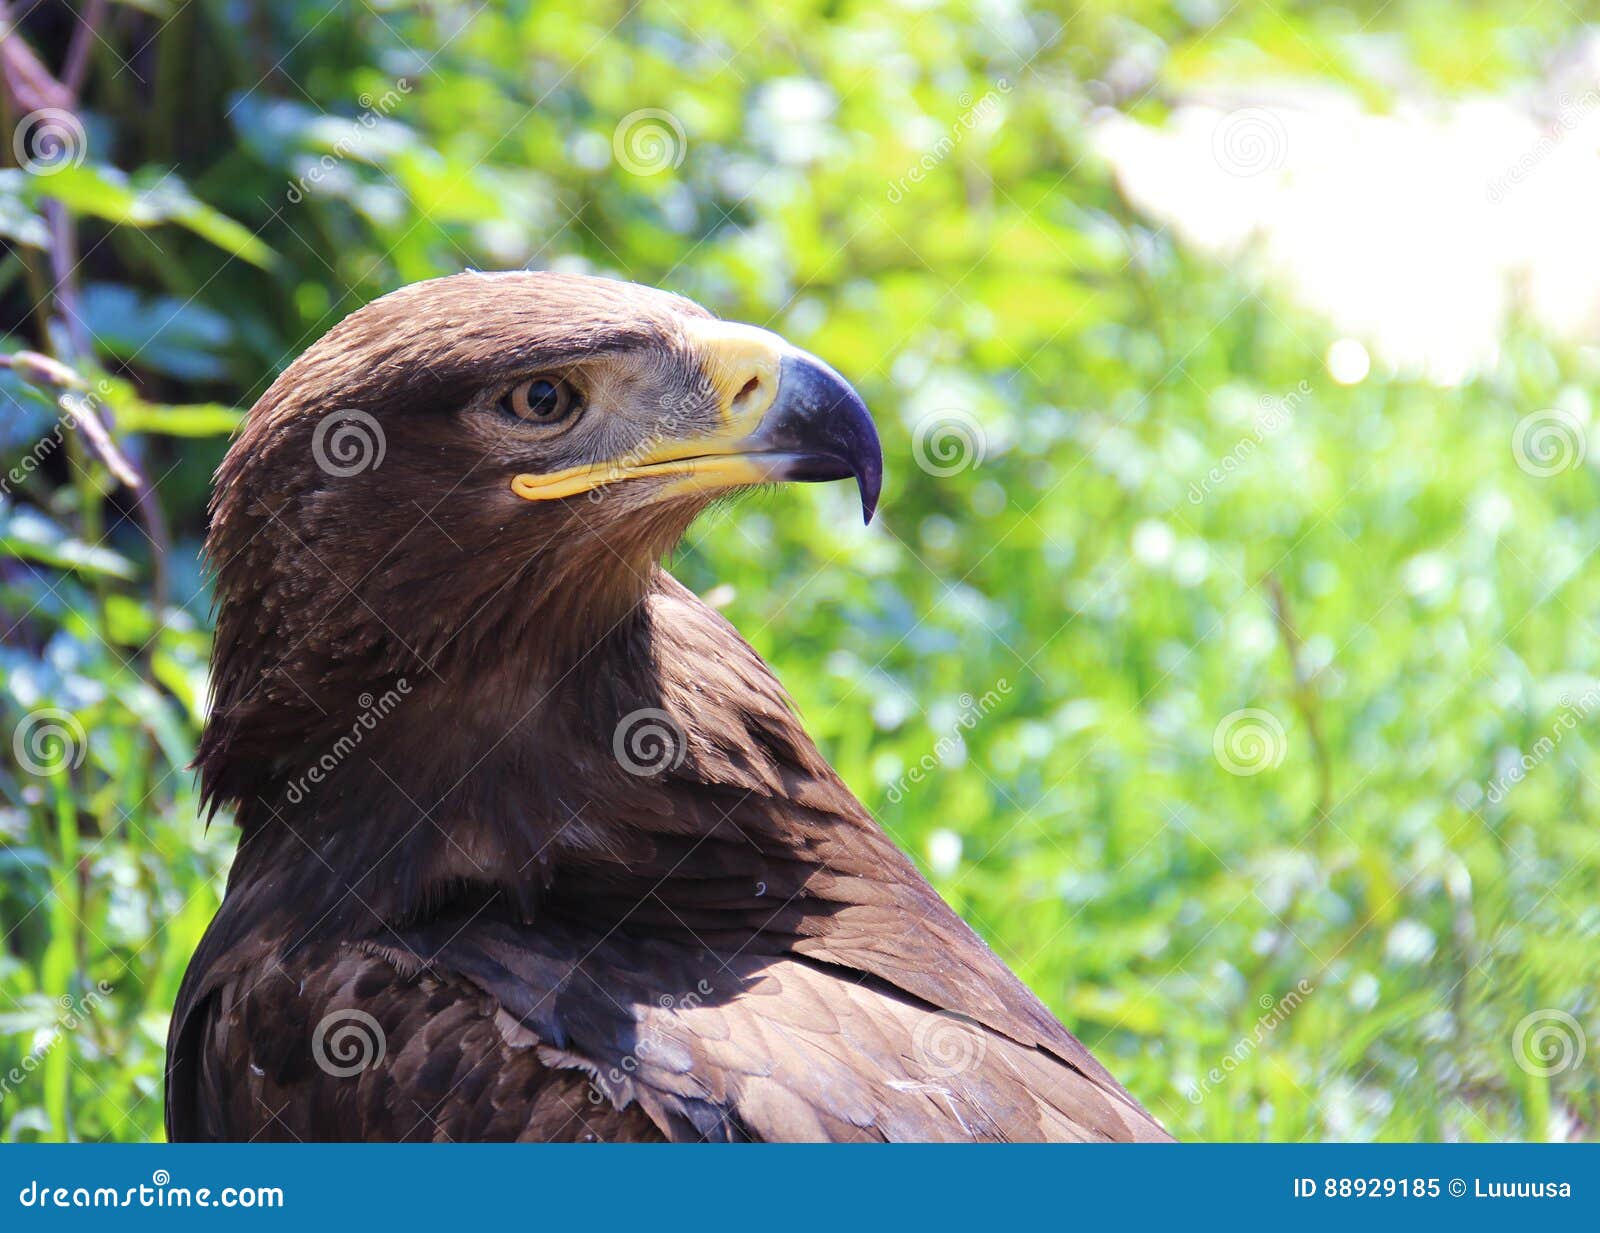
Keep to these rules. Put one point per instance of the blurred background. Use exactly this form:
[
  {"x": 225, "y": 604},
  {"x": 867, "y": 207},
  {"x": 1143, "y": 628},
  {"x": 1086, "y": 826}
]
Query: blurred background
[{"x": 1226, "y": 648}]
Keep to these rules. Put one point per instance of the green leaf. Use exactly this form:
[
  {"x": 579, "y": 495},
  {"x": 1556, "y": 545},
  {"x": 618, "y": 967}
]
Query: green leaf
[
  {"x": 149, "y": 199},
  {"x": 180, "y": 338},
  {"x": 28, "y": 535},
  {"x": 202, "y": 419},
  {"x": 20, "y": 224}
]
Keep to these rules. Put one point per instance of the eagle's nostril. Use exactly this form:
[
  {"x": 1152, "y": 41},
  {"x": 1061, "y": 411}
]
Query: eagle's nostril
[{"x": 747, "y": 395}]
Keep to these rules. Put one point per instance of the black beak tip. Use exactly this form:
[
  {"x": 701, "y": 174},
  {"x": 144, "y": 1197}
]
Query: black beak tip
[
  {"x": 823, "y": 418},
  {"x": 869, "y": 480}
]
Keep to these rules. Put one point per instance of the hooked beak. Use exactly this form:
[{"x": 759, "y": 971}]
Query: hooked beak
[
  {"x": 818, "y": 429},
  {"x": 784, "y": 416}
]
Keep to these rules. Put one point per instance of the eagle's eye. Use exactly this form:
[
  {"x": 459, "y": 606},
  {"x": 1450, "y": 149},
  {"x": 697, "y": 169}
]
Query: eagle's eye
[{"x": 543, "y": 400}]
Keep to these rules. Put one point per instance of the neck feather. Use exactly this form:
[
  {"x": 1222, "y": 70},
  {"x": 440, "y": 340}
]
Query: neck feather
[{"x": 483, "y": 783}]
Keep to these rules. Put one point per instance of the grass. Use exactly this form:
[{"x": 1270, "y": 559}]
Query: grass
[{"x": 1245, "y": 713}]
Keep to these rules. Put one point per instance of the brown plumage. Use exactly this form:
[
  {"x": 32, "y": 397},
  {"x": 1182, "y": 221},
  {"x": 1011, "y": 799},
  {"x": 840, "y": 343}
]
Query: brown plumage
[{"x": 532, "y": 844}]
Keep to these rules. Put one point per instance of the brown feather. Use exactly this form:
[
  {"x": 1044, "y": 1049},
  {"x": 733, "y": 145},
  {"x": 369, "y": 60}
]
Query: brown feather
[{"x": 547, "y": 946}]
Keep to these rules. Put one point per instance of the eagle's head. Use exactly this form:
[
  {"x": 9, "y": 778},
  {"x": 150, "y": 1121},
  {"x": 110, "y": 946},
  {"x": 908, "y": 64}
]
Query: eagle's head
[{"x": 469, "y": 484}]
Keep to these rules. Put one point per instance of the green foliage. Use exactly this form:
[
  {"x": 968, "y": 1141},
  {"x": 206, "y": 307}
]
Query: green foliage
[{"x": 1030, "y": 655}]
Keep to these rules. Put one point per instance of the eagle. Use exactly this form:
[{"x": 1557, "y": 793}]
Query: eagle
[{"x": 532, "y": 845}]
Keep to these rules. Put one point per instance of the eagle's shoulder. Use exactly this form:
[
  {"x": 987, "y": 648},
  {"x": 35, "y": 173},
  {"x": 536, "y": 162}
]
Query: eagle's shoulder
[
  {"x": 766, "y": 851},
  {"x": 712, "y": 1043}
]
